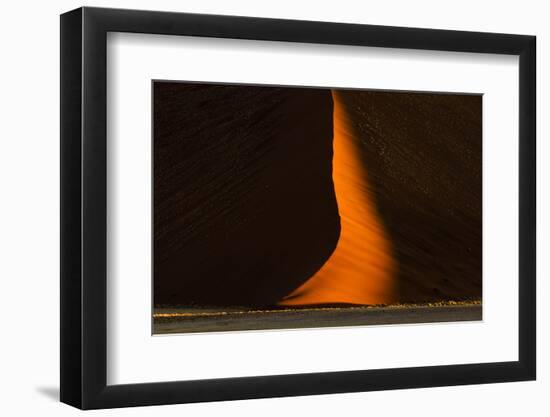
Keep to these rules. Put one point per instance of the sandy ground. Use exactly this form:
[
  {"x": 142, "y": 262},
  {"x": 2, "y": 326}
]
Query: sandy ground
[{"x": 189, "y": 320}]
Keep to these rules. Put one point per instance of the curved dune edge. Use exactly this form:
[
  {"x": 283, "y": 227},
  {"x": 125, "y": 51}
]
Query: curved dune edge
[{"x": 361, "y": 270}]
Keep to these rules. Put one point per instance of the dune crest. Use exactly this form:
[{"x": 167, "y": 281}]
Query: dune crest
[{"x": 361, "y": 270}]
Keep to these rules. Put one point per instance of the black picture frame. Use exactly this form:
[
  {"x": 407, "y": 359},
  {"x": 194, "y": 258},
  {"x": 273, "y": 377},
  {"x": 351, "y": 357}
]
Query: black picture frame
[{"x": 84, "y": 207}]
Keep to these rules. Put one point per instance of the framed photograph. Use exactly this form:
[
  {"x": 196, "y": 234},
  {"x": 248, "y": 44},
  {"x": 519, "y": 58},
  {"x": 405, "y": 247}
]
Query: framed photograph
[{"x": 257, "y": 208}]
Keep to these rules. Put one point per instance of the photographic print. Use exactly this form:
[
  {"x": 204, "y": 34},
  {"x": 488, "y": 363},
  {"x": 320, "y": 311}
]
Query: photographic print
[{"x": 301, "y": 207}]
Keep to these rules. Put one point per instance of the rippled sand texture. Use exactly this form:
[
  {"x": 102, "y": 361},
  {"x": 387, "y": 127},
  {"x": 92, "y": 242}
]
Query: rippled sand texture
[
  {"x": 361, "y": 270},
  {"x": 244, "y": 204}
]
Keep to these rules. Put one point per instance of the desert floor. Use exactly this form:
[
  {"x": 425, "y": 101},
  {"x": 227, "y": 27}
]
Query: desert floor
[{"x": 193, "y": 320}]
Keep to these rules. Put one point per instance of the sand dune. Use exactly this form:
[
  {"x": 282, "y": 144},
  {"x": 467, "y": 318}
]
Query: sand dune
[
  {"x": 244, "y": 204},
  {"x": 361, "y": 269},
  {"x": 298, "y": 196}
]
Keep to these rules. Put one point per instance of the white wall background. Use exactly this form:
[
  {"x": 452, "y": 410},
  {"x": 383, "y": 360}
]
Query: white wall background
[{"x": 29, "y": 207}]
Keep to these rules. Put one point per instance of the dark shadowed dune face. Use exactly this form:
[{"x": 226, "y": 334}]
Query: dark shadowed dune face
[
  {"x": 423, "y": 152},
  {"x": 244, "y": 203}
]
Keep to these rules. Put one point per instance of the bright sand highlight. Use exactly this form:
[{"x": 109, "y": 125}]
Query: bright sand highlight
[{"x": 361, "y": 270}]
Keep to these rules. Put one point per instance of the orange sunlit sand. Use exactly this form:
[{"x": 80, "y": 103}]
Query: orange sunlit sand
[{"x": 361, "y": 270}]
